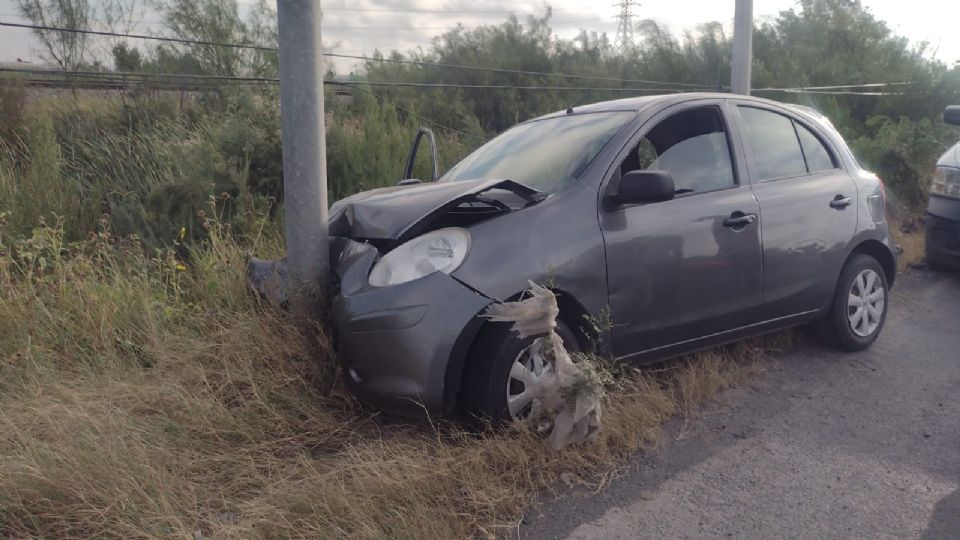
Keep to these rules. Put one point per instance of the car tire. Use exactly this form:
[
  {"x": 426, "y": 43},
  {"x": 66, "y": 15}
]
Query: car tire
[
  {"x": 858, "y": 309},
  {"x": 487, "y": 374}
]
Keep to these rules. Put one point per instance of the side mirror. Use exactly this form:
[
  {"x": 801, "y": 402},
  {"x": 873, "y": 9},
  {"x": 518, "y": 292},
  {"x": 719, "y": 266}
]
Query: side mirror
[
  {"x": 951, "y": 115},
  {"x": 644, "y": 187}
]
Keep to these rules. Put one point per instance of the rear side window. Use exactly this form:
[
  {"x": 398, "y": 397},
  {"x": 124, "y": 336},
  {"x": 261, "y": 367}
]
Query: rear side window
[
  {"x": 818, "y": 157},
  {"x": 776, "y": 149}
]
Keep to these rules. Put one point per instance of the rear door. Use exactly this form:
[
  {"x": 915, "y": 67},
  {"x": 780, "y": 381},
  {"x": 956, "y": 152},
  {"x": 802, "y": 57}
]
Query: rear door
[
  {"x": 689, "y": 267},
  {"x": 807, "y": 207}
]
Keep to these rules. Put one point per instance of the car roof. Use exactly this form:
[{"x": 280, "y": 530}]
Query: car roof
[{"x": 634, "y": 104}]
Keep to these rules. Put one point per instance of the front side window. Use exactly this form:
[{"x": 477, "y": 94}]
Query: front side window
[
  {"x": 692, "y": 146},
  {"x": 545, "y": 155},
  {"x": 776, "y": 149}
]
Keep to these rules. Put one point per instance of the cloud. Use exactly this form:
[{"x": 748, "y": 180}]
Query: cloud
[{"x": 385, "y": 28}]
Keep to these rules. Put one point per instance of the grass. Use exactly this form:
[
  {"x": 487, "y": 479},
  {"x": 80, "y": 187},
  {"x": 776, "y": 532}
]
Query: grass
[
  {"x": 142, "y": 395},
  {"x": 142, "y": 399}
]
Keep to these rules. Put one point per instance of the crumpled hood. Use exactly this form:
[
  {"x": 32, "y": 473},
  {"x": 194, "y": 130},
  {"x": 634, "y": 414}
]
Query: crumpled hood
[
  {"x": 402, "y": 212},
  {"x": 951, "y": 158}
]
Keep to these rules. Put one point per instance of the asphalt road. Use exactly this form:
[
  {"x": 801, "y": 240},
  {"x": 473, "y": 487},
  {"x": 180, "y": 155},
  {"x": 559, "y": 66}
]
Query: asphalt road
[{"x": 822, "y": 445}]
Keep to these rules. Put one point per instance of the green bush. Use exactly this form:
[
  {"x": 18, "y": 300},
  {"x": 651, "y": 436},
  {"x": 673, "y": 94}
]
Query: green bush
[
  {"x": 903, "y": 153},
  {"x": 150, "y": 164}
]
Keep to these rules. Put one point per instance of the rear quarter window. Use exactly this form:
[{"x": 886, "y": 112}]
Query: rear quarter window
[{"x": 817, "y": 155}]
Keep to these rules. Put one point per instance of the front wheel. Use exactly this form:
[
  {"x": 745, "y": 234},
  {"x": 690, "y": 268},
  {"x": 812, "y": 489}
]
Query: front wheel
[
  {"x": 859, "y": 306},
  {"x": 501, "y": 370}
]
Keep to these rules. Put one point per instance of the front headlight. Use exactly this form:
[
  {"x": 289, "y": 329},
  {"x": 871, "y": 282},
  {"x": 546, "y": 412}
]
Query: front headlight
[
  {"x": 442, "y": 250},
  {"x": 946, "y": 181}
]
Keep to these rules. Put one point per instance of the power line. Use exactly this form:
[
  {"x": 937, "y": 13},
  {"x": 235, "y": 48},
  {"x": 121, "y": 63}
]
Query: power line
[
  {"x": 453, "y": 66},
  {"x": 126, "y": 77},
  {"x": 365, "y": 58},
  {"x": 510, "y": 87},
  {"x": 128, "y": 74},
  {"x": 450, "y": 11},
  {"x": 136, "y": 36},
  {"x": 515, "y": 71},
  {"x": 448, "y": 27},
  {"x": 827, "y": 92},
  {"x": 121, "y": 75},
  {"x": 174, "y": 83},
  {"x": 833, "y": 87}
]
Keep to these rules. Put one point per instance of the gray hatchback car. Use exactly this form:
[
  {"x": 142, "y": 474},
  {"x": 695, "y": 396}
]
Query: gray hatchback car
[{"x": 690, "y": 220}]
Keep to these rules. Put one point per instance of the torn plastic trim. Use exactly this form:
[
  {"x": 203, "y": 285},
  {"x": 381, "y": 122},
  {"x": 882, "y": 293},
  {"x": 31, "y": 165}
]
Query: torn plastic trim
[{"x": 554, "y": 386}]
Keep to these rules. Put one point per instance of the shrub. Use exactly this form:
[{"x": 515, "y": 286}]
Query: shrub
[{"x": 903, "y": 153}]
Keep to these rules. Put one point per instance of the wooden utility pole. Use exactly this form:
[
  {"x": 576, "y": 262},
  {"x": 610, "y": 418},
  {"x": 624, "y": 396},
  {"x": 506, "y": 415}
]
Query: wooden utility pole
[{"x": 304, "y": 149}]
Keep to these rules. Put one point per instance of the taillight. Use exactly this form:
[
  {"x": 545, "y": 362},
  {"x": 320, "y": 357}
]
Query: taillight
[{"x": 877, "y": 203}]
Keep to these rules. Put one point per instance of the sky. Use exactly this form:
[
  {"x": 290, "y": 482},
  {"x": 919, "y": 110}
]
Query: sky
[{"x": 367, "y": 25}]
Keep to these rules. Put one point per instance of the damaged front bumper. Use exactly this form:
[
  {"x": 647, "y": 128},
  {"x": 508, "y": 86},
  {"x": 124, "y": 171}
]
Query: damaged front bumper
[{"x": 403, "y": 347}]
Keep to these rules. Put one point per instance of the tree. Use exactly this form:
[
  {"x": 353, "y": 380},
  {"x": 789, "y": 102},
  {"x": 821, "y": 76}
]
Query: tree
[
  {"x": 215, "y": 21},
  {"x": 66, "y": 49}
]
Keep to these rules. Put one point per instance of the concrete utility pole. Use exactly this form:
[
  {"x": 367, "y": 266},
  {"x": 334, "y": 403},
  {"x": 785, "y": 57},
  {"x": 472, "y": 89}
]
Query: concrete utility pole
[
  {"x": 304, "y": 149},
  {"x": 740, "y": 67}
]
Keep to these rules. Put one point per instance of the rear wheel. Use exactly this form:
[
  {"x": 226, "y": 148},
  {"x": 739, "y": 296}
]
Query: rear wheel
[
  {"x": 502, "y": 370},
  {"x": 859, "y": 306}
]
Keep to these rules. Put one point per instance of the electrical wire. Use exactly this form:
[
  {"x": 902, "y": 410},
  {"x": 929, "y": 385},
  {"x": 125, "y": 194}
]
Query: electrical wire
[
  {"x": 230, "y": 78},
  {"x": 365, "y": 58},
  {"x": 121, "y": 78},
  {"x": 516, "y": 71},
  {"x": 812, "y": 89},
  {"x": 135, "y": 36},
  {"x": 450, "y": 11},
  {"x": 826, "y": 92},
  {"x": 451, "y": 66},
  {"x": 801, "y": 89},
  {"x": 142, "y": 77}
]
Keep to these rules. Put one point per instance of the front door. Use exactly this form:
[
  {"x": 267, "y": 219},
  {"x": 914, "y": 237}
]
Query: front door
[{"x": 688, "y": 267}]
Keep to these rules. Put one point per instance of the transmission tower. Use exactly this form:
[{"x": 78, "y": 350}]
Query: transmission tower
[{"x": 625, "y": 25}]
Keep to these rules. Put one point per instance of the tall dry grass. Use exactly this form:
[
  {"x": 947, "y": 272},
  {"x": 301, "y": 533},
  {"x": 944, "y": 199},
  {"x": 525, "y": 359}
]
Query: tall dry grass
[
  {"x": 141, "y": 397},
  {"x": 145, "y": 393}
]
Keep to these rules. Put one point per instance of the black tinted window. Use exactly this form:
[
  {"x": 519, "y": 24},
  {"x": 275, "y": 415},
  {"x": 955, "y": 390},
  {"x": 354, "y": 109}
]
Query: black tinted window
[
  {"x": 818, "y": 157},
  {"x": 691, "y": 146},
  {"x": 776, "y": 150}
]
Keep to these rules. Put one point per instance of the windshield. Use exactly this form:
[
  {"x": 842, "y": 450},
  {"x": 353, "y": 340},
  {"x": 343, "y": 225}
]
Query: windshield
[{"x": 545, "y": 154}]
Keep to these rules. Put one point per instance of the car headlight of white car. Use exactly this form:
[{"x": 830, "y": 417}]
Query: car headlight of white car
[
  {"x": 946, "y": 181},
  {"x": 442, "y": 250}
]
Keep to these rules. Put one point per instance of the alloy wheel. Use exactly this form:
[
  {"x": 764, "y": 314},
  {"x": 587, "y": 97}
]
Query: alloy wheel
[
  {"x": 865, "y": 303},
  {"x": 526, "y": 374}
]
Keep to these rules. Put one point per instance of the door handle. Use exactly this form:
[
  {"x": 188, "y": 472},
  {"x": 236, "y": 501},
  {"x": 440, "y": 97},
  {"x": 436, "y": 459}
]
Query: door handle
[
  {"x": 739, "y": 220},
  {"x": 840, "y": 202}
]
